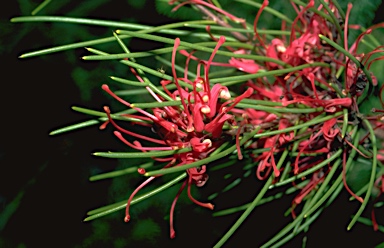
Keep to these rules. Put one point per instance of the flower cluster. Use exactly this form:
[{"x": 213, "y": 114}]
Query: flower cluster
[
  {"x": 295, "y": 112},
  {"x": 301, "y": 114},
  {"x": 196, "y": 124}
]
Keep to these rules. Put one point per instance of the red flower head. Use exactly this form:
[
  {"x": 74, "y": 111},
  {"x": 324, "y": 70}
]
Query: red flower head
[{"x": 195, "y": 123}]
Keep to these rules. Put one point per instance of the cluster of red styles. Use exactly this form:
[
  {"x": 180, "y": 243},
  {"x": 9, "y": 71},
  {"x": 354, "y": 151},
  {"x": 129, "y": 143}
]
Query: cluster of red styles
[{"x": 208, "y": 115}]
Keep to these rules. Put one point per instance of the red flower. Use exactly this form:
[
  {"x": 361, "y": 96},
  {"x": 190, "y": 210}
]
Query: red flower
[
  {"x": 246, "y": 65},
  {"x": 195, "y": 124}
]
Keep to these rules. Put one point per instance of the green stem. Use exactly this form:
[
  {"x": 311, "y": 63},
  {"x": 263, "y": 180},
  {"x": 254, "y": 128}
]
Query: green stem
[
  {"x": 90, "y": 122},
  {"x": 161, "y": 51},
  {"x": 313, "y": 217},
  {"x": 142, "y": 91},
  {"x": 118, "y": 173},
  {"x": 341, "y": 11},
  {"x": 204, "y": 161},
  {"x": 178, "y": 68},
  {"x": 97, "y": 213},
  {"x": 70, "y": 46},
  {"x": 40, "y": 7},
  {"x": 267, "y": 9},
  {"x": 369, "y": 45},
  {"x": 252, "y": 205},
  {"x": 141, "y": 154},
  {"x": 142, "y": 74},
  {"x": 241, "y": 30},
  {"x": 262, "y": 201},
  {"x": 261, "y": 102},
  {"x": 227, "y": 81},
  {"x": 333, "y": 187},
  {"x": 200, "y": 48},
  {"x": 324, "y": 184},
  {"x": 103, "y": 114},
  {"x": 334, "y": 19},
  {"x": 284, "y": 231},
  {"x": 156, "y": 104},
  {"x": 320, "y": 13},
  {"x": 288, "y": 167},
  {"x": 360, "y": 192},
  {"x": 373, "y": 174},
  {"x": 239, "y": 105},
  {"x": 372, "y": 38},
  {"x": 306, "y": 124},
  {"x": 301, "y": 216},
  {"x": 220, "y": 166},
  {"x": 313, "y": 201},
  {"x": 148, "y": 70},
  {"x": 77, "y": 126},
  {"x": 165, "y": 29},
  {"x": 129, "y": 82},
  {"x": 147, "y": 29},
  {"x": 280, "y": 110},
  {"x": 350, "y": 56},
  {"x": 308, "y": 171}
]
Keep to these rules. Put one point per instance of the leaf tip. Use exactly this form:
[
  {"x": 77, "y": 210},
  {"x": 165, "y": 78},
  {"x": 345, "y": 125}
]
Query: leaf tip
[
  {"x": 52, "y": 133},
  {"x": 87, "y": 219}
]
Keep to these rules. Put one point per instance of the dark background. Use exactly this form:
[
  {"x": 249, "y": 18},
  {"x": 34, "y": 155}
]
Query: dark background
[{"x": 46, "y": 178}]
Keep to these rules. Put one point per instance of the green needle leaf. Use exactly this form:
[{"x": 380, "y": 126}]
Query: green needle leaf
[
  {"x": 267, "y": 9},
  {"x": 97, "y": 213},
  {"x": 40, "y": 7},
  {"x": 373, "y": 174},
  {"x": 77, "y": 126},
  {"x": 242, "y": 30},
  {"x": 156, "y": 104},
  {"x": 148, "y": 70},
  {"x": 227, "y": 81},
  {"x": 252, "y": 206},
  {"x": 120, "y": 172},
  {"x": 262, "y": 201},
  {"x": 281, "y": 109},
  {"x": 202, "y": 161},
  {"x": 70, "y": 46},
  {"x": 306, "y": 124},
  {"x": 129, "y": 82},
  {"x": 94, "y": 121},
  {"x": 105, "y": 23},
  {"x": 162, "y": 51},
  {"x": 198, "y": 47},
  {"x": 141, "y": 154},
  {"x": 142, "y": 28},
  {"x": 350, "y": 56},
  {"x": 308, "y": 171},
  {"x": 103, "y": 114}
]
